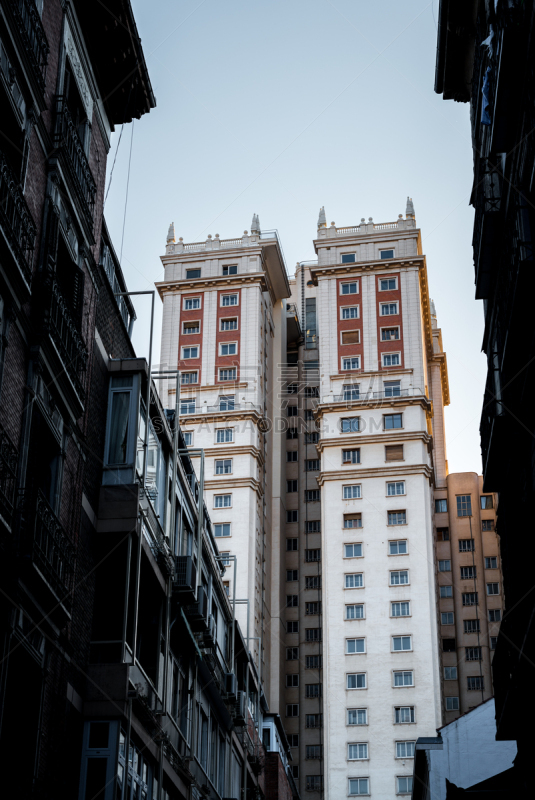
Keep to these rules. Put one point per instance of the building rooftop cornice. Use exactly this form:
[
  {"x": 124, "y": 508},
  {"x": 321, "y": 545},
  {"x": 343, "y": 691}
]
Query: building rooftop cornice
[
  {"x": 376, "y": 472},
  {"x": 381, "y": 437},
  {"x": 201, "y": 284}
]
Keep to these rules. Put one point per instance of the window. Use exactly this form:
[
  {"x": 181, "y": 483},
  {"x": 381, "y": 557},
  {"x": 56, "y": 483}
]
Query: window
[
  {"x": 354, "y": 580},
  {"x": 188, "y": 438},
  {"x": 313, "y": 634},
  {"x": 229, "y": 324},
  {"x": 292, "y": 574},
  {"x": 350, "y": 337},
  {"x": 391, "y": 359},
  {"x": 446, "y": 618},
  {"x": 313, "y": 526},
  {"x": 404, "y": 784},
  {"x": 471, "y": 626},
  {"x": 394, "y": 452},
  {"x": 313, "y": 690},
  {"x": 389, "y": 309},
  {"x": 314, "y": 783},
  {"x": 351, "y": 363},
  {"x": 353, "y": 550},
  {"x": 400, "y": 643},
  {"x": 491, "y": 562},
  {"x": 493, "y": 588},
  {"x": 292, "y": 455},
  {"x": 229, "y": 300},
  {"x": 446, "y": 591},
  {"x": 188, "y": 377},
  {"x": 292, "y": 626},
  {"x": 314, "y": 720},
  {"x": 464, "y": 505},
  {"x": 493, "y": 642},
  {"x": 193, "y": 273},
  {"x": 466, "y": 546},
  {"x": 444, "y": 565},
  {"x": 313, "y": 662},
  {"x": 468, "y": 573},
  {"x": 291, "y": 411},
  {"x": 312, "y": 609},
  {"x": 311, "y": 438},
  {"x": 399, "y": 577},
  {"x": 222, "y": 501},
  {"x": 473, "y": 653},
  {"x": 313, "y": 555},
  {"x": 392, "y": 388},
  {"x": 293, "y": 739},
  {"x": 395, "y": 488},
  {"x": 352, "y": 492},
  {"x": 223, "y": 466},
  {"x": 350, "y": 425},
  {"x": 226, "y": 402},
  {"x": 389, "y": 254},
  {"x": 397, "y": 518},
  {"x": 312, "y": 495},
  {"x": 486, "y": 501},
  {"x": 291, "y": 486},
  {"x": 292, "y": 600},
  {"x": 354, "y": 646},
  {"x": 355, "y": 611},
  {"x": 292, "y": 654},
  {"x": 389, "y": 334},
  {"x": 350, "y": 312},
  {"x": 400, "y": 609},
  {"x": 448, "y": 645},
  {"x": 359, "y": 786},
  {"x": 352, "y": 520},
  {"x": 450, "y": 673},
  {"x": 392, "y": 421},
  {"x": 192, "y": 303},
  {"x": 356, "y": 680},
  {"x": 230, "y": 269},
  {"x": 191, "y": 327},
  {"x": 313, "y": 582},
  {"x": 187, "y": 406},
  {"x": 292, "y": 681},
  {"x": 475, "y": 683},
  {"x": 292, "y": 516},
  {"x": 495, "y": 615},
  {"x": 487, "y": 525},
  {"x": 404, "y": 677},
  {"x": 312, "y": 464},
  {"x": 398, "y": 548},
  {"x": 351, "y": 391},
  {"x": 351, "y": 456},
  {"x": 291, "y": 544},
  {"x": 452, "y": 703},
  {"x": 349, "y": 288},
  {"x": 313, "y": 751},
  {"x": 404, "y": 714},
  {"x": 224, "y": 435},
  {"x": 222, "y": 529},
  {"x": 292, "y": 710},
  {"x": 311, "y": 391},
  {"x": 348, "y": 258},
  {"x": 225, "y": 558},
  {"x": 190, "y": 352},
  {"x": 405, "y": 749},
  {"x": 357, "y": 716},
  {"x": 441, "y": 506},
  {"x": 309, "y": 414},
  {"x": 228, "y": 349},
  {"x": 470, "y": 599},
  {"x": 357, "y": 751},
  {"x": 227, "y": 374}
]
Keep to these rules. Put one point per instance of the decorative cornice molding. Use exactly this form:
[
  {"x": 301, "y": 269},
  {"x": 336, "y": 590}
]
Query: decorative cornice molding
[
  {"x": 376, "y": 472},
  {"x": 358, "y": 268},
  {"x": 217, "y": 281},
  {"x": 229, "y": 451},
  {"x": 226, "y": 483},
  {"x": 340, "y": 406},
  {"x": 385, "y": 437}
]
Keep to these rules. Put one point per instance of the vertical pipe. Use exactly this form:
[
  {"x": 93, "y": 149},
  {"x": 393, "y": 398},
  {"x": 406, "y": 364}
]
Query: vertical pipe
[{"x": 200, "y": 520}]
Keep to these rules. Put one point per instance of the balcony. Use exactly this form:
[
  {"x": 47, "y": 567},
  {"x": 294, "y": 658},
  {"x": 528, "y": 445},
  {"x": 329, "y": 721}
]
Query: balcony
[
  {"x": 70, "y": 147},
  {"x": 8, "y": 471},
  {"x": 487, "y": 227},
  {"x": 33, "y": 37},
  {"x": 389, "y": 395},
  {"x": 67, "y": 339},
  {"x": 48, "y": 553},
  {"x": 16, "y": 221}
]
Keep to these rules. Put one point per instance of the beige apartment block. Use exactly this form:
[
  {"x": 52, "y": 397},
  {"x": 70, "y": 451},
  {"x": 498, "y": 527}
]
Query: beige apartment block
[{"x": 470, "y": 590}]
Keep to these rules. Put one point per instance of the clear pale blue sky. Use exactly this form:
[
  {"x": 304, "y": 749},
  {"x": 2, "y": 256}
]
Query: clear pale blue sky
[{"x": 281, "y": 106}]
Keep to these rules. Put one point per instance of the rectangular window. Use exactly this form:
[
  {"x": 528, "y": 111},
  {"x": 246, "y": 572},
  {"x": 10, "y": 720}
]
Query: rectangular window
[
  {"x": 350, "y": 312},
  {"x": 312, "y": 438},
  {"x": 292, "y": 654},
  {"x": 222, "y": 501},
  {"x": 226, "y": 402},
  {"x": 350, "y": 337},
  {"x": 292, "y": 455},
  {"x": 314, "y": 720},
  {"x": 389, "y": 334},
  {"x": 351, "y": 363},
  {"x": 404, "y": 714},
  {"x": 292, "y": 710},
  {"x": 394, "y": 452},
  {"x": 398, "y": 548},
  {"x": 311, "y": 391},
  {"x": 404, "y": 783},
  {"x": 292, "y": 574},
  {"x": 486, "y": 501},
  {"x": 313, "y": 526},
  {"x": 355, "y": 611},
  {"x": 395, "y": 488},
  {"x": 192, "y": 303},
  {"x": 491, "y": 562},
  {"x": 446, "y": 618},
  {"x": 392, "y": 421},
  {"x": 493, "y": 642},
  {"x": 471, "y": 626},
  {"x": 229, "y": 324},
  {"x": 450, "y": 673},
  {"x": 191, "y": 327},
  {"x": 312, "y": 464},
  {"x": 389, "y": 254},
  {"x": 357, "y": 716},
  {"x": 400, "y": 643},
  {"x": 493, "y": 588},
  {"x": 356, "y": 680},
  {"x": 472, "y": 653},
  {"x": 313, "y": 662},
  {"x": 446, "y": 591},
  {"x": 351, "y": 391},
  {"x": 187, "y": 406},
  {"x": 292, "y": 516},
  {"x": 314, "y": 783},
  {"x": 389, "y": 309},
  {"x": 387, "y": 284},
  {"x": 291, "y": 545},
  {"x": 404, "y": 677},
  {"x": 312, "y": 495},
  {"x": 470, "y": 599},
  {"x": 354, "y": 646},
  {"x": 464, "y": 505},
  {"x": 228, "y": 349},
  {"x": 224, "y": 435},
  {"x": 292, "y": 600},
  {"x": 354, "y": 580},
  {"x": 293, "y": 739},
  {"x": 495, "y": 615},
  {"x": 359, "y": 786},
  {"x": 399, "y": 577},
  {"x": 188, "y": 377},
  {"x": 292, "y": 626},
  {"x": 443, "y": 534},
  {"x": 487, "y": 525},
  {"x": 351, "y": 456},
  {"x": 229, "y": 300},
  {"x": 222, "y": 529},
  {"x": 466, "y": 546},
  {"x": 119, "y": 426},
  {"x": 313, "y": 751},
  {"x": 449, "y": 645},
  {"x": 352, "y": 492},
  {"x": 405, "y": 749},
  {"x": 475, "y": 683},
  {"x": 353, "y": 550},
  {"x": 441, "y": 506},
  {"x": 468, "y": 573},
  {"x": 357, "y": 751},
  {"x": 309, "y": 414},
  {"x": 352, "y": 520},
  {"x": 188, "y": 438},
  {"x": 292, "y": 681},
  {"x": 313, "y": 634},
  {"x": 291, "y": 486},
  {"x": 350, "y": 288},
  {"x": 313, "y": 555},
  {"x": 193, "y": 273},
  {"x": 313, "y": 690},
  {"x": 291, "y": 411},
  {"x": 444, "y": 565},
  {"x": 190, "y": 352},
  {"x": 313, "y": 582},
  {"x": 230, "y": 269},
  {"x": 391, "y": 359},
  {"x": 397, "y": 517},
  {"x": 313, "y": 609},
  {"x": 223, "y": 466},
  {"x": 401, "y": 609},
  {"x": 227, "y": 374},
  {"x": 350, "y": 425},
  {"x": 348, "y": 258},
  {"x": 452, "y": 703}
]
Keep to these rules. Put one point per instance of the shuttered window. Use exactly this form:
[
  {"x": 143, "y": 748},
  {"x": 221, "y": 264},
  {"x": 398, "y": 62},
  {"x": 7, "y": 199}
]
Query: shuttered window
[
  {"x": 350, "y": 337},
  {"x": 394, "y": 452}
]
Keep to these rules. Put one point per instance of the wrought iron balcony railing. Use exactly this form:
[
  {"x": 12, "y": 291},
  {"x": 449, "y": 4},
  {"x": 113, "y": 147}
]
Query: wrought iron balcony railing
[
  {"x": 68, "y": 142},
  {"x": 67, "y": 338},
  {"x": 33, "y": 35},
  {"x": 43, "y": 540},
  {"x": 8, "y": 472},
  {"x": 16, "y": 219}
]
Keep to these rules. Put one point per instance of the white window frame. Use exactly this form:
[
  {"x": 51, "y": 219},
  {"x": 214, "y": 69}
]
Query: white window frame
[
  {"x": 191, "y": 404},
  {"x": 348, "y": 574},
  {"x": 188, "y": 433},
  {"x": 396, "y": 353},
  {"x": 395, "y": 484},
  {"x": 357, "y": 688},
  {"x": 350, "y": 330},
  {"x": 227, "y": 343},
  {"x": 227, "y": 494},
  {"x": 352, "y": 486},
  {"x": 185, "y": 322},
  {"x": 347, "y": 283},
  {"x": 353, "y": 544},
  {"x": 388, "y": 278},
  {"x": 349, "y": 253},
  {"x": 356, "y": 724},
  {"x": 227, "y": 319},
  {"x": 343, "y": 419},
  {"x": 348, "y": 358},
  {"x": 401, "y": 636},
  {"x": 396, "y": 555},
  {"x": 390, "y": 303},
  {"x": 411, "y": 722},
  {"x": 354, "y": 305},
  {"x": 354, "y": 605},
  {"x": 190, "y": 372},
  {"x": 403, "y": 685},
  {"x": 404, "y": 741},
  {"x": 353, "y": 744},
  {"x": 453, "y": 697},
  {"x": 229, "y": 305},
  {"x": 191, "y": 297},
  {"x": 228, "y": 273},
  {"x": 399, "y": 792},
  {"x": 400, "y": 616},
  {"x": 359, "y": 794},
  {"x": 227, "y": 369},
  {"x": 223, "y": 460},
  {"x": 223, "y": 536},
  {"x": 389, "y": 328},
  {"x": 392, "y": 571},
  {"x": 225, "y": 441},
  {"x": 456, "y": 678},
  {"x": 190, "y": 347}
]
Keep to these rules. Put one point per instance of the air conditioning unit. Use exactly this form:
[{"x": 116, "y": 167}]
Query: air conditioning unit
[
  {"x": 185, "y": 576},
  {"x": 240, "y": 716},
  {"x": 197, "y": 612},
  {"x": 231, "y": 685}
]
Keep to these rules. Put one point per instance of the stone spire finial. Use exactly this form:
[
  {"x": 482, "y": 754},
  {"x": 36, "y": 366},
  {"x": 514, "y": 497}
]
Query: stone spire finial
[
  {"x": 433, "y": 309},
  {"x": 255, "y": 224},
  {"x": 409, "y": 211},
  {"x": 322, "y": 219},
  {"x": 171, "y": 234}
]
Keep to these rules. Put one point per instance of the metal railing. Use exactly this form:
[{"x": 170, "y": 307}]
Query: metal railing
[
  {"x": 33, "y": 35},
  {"x": 9, "y": 457},
  {"x": 385, "y": 394},
  {"x": 111, "y": 267},
  {"x": 16, "y": 219},
  {"x": 67, "y": 338},
  {"x": 68, "y": 142}
]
